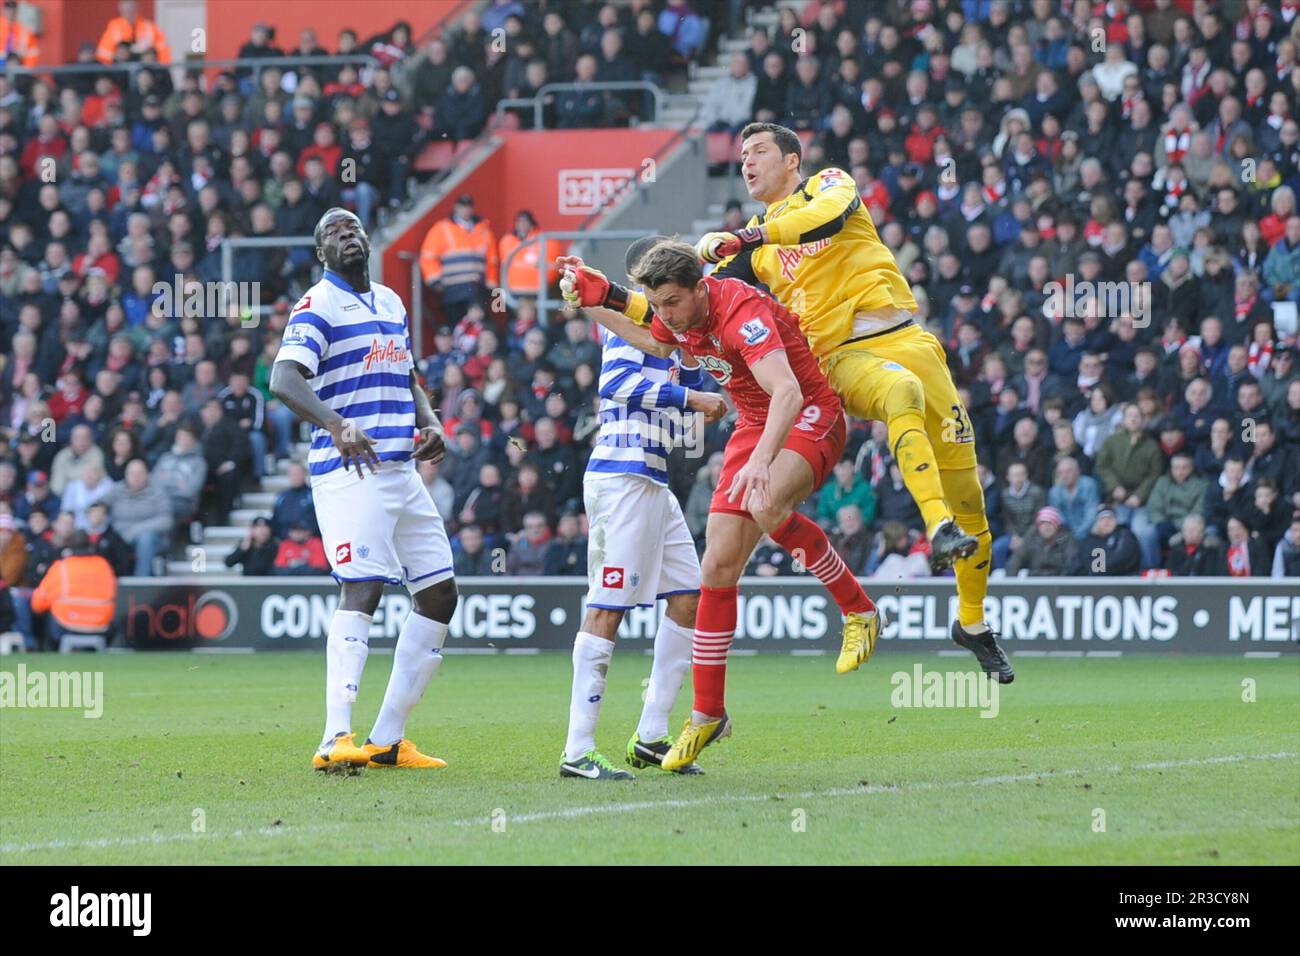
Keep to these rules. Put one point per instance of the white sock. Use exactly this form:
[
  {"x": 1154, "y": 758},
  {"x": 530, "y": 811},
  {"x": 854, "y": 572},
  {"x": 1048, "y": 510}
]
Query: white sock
[
  {"x": 591, "y": 655},
  {"x": 415, "y": 661},
  {"x": 345, "y": 657},
  {"x": 672, "y": 659},
  {"x": 980, "y": 628}
]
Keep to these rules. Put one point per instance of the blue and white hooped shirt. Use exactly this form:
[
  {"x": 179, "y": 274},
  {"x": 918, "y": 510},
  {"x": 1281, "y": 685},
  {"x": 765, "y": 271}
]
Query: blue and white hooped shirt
[{"x": 358, "y": 349}]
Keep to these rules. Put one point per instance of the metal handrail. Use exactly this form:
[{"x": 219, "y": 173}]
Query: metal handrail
[
  {"x": 416, "y": 309},
  {"x": 537, "y": 101},
  {"x": 135, "y": 66},
  {"x": 230, "y": 243},
  {"x": 671, "y": 144},
  {"x": 543, "y": 303}
]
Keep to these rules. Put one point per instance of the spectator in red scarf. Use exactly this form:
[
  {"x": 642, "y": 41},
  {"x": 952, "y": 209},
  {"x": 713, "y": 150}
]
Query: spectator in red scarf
[{"x": 1246, "y": 556}]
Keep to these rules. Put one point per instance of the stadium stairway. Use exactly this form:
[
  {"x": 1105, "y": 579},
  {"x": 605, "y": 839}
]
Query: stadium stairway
[
  {"x": 208, "y": 558},
  {"x": 724, "y": 188}
]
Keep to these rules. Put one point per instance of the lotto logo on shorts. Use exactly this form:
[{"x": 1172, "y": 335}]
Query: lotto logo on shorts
[
  {"x": 612, "y": 577},
  {"x": 343, "y": 553}
]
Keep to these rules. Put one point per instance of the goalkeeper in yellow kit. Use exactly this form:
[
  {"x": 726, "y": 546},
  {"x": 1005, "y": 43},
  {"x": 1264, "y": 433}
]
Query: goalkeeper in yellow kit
[{"x": 817, "y": 251}]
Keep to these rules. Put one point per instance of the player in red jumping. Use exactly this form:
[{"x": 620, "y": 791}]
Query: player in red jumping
[{"x": 789, "y": 434}]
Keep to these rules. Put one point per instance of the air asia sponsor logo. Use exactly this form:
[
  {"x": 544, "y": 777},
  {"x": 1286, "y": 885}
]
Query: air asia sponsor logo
[
  {"x": 612, "y": 577},
  {"x": 478, "y": 617},
  {"x": 343, "y": 553},
  {"x": 75, "y": 908},
  {"x": 210, "y": 616},
  {"x": 390, "y": 353},
  {"x": 584, "y": 191},
  {"x": 791, "y": 256}
]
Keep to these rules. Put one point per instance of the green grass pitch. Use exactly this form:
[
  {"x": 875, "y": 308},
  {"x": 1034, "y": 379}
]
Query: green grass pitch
[{"x": 1162, "y": 752}]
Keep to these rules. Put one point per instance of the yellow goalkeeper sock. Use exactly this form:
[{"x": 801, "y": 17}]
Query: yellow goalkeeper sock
[
  {"x": 920, "y": 470},
  {"x": 966, "y": 497}
]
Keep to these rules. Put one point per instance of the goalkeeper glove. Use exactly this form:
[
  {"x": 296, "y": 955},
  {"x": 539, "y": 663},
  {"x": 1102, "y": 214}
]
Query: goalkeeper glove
[
  {"x": 587, "y": 288},
  {"x": 716, "y": 246}
]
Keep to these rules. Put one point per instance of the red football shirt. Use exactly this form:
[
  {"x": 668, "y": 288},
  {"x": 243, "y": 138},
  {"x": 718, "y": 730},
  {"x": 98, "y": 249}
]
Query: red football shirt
[{"x": 746, "y": 324}]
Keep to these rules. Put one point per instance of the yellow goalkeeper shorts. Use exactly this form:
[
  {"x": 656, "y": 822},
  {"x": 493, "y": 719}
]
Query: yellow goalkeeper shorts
[{"x": 871, "y": 377}]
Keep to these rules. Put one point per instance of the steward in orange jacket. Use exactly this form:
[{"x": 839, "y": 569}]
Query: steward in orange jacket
[
  {"x": 16, "y": 41},
  {"x": 458, "y": 258},
  {"x": 79, "y": 590},
  {"x": 130, "y": 28},
  {"x": 523, "y": 271}
]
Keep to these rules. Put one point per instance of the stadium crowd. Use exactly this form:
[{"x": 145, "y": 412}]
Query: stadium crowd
[
  {"x": 135, "y": 409},
  {"x": 1096, "y": 205},
  {"x": 1000, "y": 146}
]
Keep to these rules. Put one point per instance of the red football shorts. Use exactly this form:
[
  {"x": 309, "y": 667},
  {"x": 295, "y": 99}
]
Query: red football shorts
[{"x": 818, "y": 436}]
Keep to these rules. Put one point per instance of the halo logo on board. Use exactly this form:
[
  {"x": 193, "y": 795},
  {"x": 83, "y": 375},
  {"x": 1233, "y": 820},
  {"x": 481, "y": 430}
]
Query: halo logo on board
[
  {"x": 207, "y": 617},
  {"x": 214, "y": 616}
]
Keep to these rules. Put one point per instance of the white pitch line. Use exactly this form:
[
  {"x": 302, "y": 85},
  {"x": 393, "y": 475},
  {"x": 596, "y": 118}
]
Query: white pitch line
[
  {"x": 602, "y": 808},
  {"x": 638, "y": 806},
  {"x": 163, "y": 838}
]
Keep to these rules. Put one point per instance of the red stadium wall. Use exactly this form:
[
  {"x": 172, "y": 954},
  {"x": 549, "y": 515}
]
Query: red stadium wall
[
  {"x": 563, "y": 177},
  {"x": 66, "y": 24},
  {"x": 229, "y": 21}
]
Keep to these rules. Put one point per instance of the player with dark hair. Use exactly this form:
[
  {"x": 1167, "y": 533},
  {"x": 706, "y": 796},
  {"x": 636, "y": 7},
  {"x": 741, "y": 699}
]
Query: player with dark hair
[
  {"x": 789, "y": 435},
  {"x": 816, "y": 250}
]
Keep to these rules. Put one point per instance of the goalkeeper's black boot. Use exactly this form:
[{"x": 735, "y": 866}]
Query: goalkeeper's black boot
[
  {"x": 986, "y": 650},
  {"x": 949, "y": 544}
]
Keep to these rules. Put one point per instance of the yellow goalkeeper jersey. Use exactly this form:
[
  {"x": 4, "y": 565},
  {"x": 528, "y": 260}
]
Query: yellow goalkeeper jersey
[{"x": 824, "y": 261}]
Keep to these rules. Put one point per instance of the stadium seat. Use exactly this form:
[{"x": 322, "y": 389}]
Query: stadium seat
[
  {"x": 11, "y": 642},
  {"x": 718, "y": 148},
  {"x": 506, "y": 121},
  {"x": 435, "y": 157},
  {"x": 82, "y": 642}
]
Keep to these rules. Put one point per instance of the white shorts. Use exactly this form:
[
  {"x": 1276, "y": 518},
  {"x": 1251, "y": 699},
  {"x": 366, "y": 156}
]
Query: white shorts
[
  {"x": 383, "y": 527},
  {"x": 638, "y": 546}
]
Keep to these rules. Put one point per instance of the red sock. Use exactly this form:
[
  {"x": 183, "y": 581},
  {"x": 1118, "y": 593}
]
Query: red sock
[
  {"x": 807, "y": 542},
  {"x": 715, "y": 625}
]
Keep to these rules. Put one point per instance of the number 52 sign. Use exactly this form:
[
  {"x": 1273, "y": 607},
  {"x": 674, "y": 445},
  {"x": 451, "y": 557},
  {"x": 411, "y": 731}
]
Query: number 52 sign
[{"x": 584, "y": 191}]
